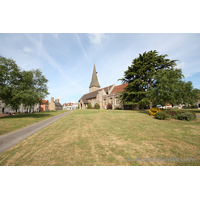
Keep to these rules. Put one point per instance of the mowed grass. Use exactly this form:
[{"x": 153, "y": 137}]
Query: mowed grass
[
  {"x": 108, "y": 138},
  {"x": 14, "y": 122}
]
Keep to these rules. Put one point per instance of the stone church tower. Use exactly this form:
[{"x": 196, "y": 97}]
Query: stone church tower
[{"x": 94, "y": 85}]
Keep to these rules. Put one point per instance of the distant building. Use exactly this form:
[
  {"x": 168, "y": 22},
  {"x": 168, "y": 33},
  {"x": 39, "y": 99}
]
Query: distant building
[
  {"x": 55, "y": 105},
  {"x": 70, "y": 106},
  {"x": 44, "y": 106},
  {"x": 21, "y": 108}
]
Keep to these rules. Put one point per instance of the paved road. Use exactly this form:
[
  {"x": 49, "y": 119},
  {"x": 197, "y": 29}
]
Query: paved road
[
  {"x": 198, "y": 116},
  {"x": 10, "y": 139}
]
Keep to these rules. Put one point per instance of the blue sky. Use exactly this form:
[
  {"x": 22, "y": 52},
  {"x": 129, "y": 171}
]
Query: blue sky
[{"x": 67, "y": 59}]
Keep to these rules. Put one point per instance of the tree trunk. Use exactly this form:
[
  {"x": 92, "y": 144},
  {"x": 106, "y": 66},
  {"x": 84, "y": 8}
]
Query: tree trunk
[{"x": 150, "y": 106}]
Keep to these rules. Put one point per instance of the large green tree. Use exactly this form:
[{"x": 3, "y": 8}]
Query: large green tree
[
  {"x": 10, "y": 76},
  {"x": 139, "y": 76},
  {"x": 169, "y": 87},
  {"x": 17, "y": 86}
]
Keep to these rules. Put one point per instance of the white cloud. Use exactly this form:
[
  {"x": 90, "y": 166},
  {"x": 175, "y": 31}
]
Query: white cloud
[
  {"x": 181, "y": 65},
  {"x": 96, "y": 38},
  {"x": 27, "y": 49}
]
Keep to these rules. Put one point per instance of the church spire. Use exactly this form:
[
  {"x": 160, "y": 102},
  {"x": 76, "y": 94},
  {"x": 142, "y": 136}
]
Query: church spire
[{"x": 94, "y": 82}]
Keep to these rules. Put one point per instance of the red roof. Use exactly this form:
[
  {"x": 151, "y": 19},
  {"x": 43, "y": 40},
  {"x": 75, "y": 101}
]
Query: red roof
[
  {"x": 44, "y": 101},
  {"x": 119, "y": 88},
  {"x": 68, "y": 104}
]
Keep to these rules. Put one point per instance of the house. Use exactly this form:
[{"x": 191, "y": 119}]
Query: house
[
  {"x": 44, "y": 106},
  {"x": 21, "y": 108},
  {"x": 54, "y": 105},
  {"x": 102, "y": 96},
  {"x": 70, "y": 106}
]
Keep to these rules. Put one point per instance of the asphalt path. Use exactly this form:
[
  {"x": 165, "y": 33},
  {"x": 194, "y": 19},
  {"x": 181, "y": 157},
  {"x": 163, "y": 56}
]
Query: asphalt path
[{"x": 10, "y": 139}]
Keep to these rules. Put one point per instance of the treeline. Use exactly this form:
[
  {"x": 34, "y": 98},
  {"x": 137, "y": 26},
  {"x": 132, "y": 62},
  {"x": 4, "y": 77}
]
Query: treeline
[
  {"x": 19, "y": 86},
  {"x": 153, "y": 79}
]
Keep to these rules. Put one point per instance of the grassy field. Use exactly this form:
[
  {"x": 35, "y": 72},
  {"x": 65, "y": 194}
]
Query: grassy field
[
  {"x": 109, "y": 138},
  {"x": 14, "y": 122}
]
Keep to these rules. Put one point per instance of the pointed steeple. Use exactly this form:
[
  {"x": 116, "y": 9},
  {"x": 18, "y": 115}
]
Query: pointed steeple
[{"x": 94, "y": 81}]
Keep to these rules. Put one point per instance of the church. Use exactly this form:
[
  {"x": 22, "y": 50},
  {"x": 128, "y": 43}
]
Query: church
[{"x": 102, "y": 96}]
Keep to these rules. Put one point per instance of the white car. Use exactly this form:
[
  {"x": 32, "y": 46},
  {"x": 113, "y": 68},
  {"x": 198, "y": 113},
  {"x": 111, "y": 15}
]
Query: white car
[{"x": 159, "y": 106}]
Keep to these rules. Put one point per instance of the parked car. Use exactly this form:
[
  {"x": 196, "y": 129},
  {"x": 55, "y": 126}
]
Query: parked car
[
  {"x": 159, "y": 106},
  {"x": 175, "y": 106}
]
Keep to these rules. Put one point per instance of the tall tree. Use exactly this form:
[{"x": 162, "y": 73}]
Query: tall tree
[
  {"x": 139, "y": 76},
  {"x": 189, "y": 94},
  {"x": 16, "y": 86},
  {"x": 10, "y": 75},
  {"x": 167, "y": 87}
]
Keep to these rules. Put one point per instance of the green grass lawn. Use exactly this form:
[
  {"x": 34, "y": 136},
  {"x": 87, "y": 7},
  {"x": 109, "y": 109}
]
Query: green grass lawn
[
  {"x": 14, "y": 122},
  {"x": 109, "y": 138}
]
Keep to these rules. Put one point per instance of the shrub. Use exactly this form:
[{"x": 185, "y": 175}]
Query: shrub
[
  {"x": 89, "y": 106},
  {"x": 109, "y": 106},
  {"x": 177, "y": 113},
  {"x": 118, "y": 108},
  {"x": 194, "y": 106},
  {"x": 161, "y": 115},
  {"x": 188, "y": 116},
  {"x": 96, "y": 106},
  {"x": 153, "y": 111}
]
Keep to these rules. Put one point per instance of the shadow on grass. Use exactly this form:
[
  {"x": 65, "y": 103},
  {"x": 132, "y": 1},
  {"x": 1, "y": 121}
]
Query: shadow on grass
[
  {"x": 140, "y": 111},
  {"x": 34, "y": 115}
]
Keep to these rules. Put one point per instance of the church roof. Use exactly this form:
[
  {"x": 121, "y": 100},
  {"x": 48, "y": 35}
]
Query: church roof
[
  {"x": 119, "y": 88},
  {"x": 92, "y": 95},
  {"x": 94, "y": 81}
]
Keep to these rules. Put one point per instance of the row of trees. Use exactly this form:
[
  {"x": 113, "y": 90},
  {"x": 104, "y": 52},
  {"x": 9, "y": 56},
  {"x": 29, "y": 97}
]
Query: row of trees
[
  {"x": 153, "y": 79},
  {"x": 18, "y": 86}
]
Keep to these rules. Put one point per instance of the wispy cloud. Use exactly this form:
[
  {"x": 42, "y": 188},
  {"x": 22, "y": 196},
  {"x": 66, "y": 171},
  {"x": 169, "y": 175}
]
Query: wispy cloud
[
  {"x": 27, "y": 49},
  {"x": 181, "y": 65},
  {"x": 78, "y": 38},
  {"x": 96, "y": 38},
  {"x": 38, "y": 47}
]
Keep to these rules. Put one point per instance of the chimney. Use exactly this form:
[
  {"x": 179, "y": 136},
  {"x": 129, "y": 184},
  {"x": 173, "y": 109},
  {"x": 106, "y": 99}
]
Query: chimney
[
  {"x": 57, "y": 100},
  {"x": 52, "y": 98}
]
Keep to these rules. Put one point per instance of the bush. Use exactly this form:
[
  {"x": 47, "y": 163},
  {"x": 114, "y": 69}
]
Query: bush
[
  {"x": 188, "y": 116},
  {"x": 153, "y": 111},
  {"x": 118, "y": 108},
  {"x": 161, "y": 115},
  {"x": 89, "y": 106},
  {"x": 109, "y": 106},
  {"x": 96, "y": 106},
  {"x": 194, "y": 106},
  {"x": 177, "y": 113}
]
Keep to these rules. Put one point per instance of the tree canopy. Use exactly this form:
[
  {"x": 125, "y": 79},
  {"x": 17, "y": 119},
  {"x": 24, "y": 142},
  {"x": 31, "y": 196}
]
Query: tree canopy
[
  {"x": 18, "y": 86},
  {"x": 167, "y": 87},
  {"x": 139, "y": 76}
]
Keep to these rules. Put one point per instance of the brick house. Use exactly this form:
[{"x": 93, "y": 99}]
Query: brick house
[{"x": 44, "y": 106}]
